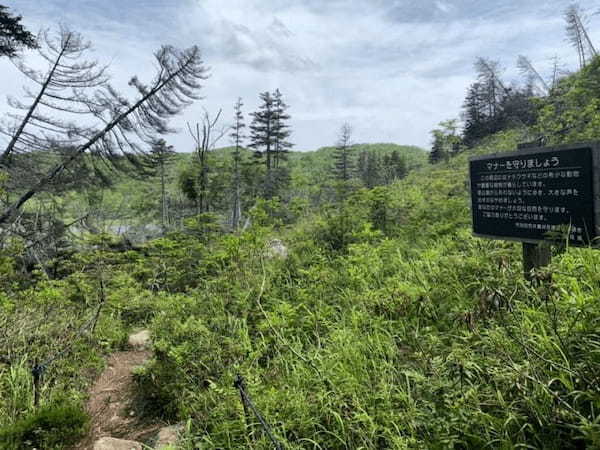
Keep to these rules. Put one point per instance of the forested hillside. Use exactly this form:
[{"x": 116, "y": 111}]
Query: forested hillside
[
  {"x": 132, "y": 206},
  {"x": 333, "y": 299}
]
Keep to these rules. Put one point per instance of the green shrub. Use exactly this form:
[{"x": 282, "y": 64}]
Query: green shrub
[{"x": 50, "y": 427}]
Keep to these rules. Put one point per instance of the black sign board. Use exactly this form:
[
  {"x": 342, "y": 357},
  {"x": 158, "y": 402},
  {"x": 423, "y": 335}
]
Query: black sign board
[{"x": 532, "y": 194}]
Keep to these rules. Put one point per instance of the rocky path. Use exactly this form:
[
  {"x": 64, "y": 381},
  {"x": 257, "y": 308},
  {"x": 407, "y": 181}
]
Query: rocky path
[{"x": 116, "y": 424}]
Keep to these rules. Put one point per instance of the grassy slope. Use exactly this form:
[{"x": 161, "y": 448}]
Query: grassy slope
[
  {"x": 419, "y": 337},
  {"x": 388, "y": 326}
]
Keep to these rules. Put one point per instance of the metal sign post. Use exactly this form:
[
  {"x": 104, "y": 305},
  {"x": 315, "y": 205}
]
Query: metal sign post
[{"x": 535, "y": 256}]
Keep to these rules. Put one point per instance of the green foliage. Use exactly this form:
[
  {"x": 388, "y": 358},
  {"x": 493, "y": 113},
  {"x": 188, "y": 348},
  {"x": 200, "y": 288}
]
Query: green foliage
[
  {"x": 571, "y": 112},
  {"x": 53, "y": 426},
  {"x": 446, "y": 141},
  {"x": 490, "y": 106},
  {"x": 338, "y": 229},
  {"x": 268, "y": 213},
  {"x": 13, "y": 35},
  {"x": 16, "y": 390},
  {"x": 386, "y": 325}
]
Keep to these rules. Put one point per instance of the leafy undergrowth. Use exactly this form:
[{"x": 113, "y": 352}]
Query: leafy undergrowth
[
  {"x": 387, "y": 326},
  {"x": 52, "y": 426}
]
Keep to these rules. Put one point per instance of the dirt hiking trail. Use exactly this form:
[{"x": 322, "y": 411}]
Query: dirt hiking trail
[{"x": 111, "y": 404}]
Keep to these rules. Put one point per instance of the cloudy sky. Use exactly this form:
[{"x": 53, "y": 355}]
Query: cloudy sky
[{"x": 391, "y": 68}]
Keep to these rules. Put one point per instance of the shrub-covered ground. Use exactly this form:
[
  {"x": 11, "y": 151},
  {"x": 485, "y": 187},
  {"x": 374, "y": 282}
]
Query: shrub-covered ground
[{"x": 387, "y": 326}]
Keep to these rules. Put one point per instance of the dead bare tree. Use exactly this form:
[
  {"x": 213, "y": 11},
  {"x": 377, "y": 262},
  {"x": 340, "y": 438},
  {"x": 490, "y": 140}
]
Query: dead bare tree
[
  {"x": 113, "y": 129},
  {"x": 533, "y": 76},
  {"x": 205, "y": 136},
  {"x": 558, "y": 72},
  {"x": 61, "y": 92},
  {"x": 577, "y": 34}
]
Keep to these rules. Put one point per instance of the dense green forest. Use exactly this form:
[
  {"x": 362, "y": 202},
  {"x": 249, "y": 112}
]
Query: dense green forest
[{"x": 343, "y": 285}]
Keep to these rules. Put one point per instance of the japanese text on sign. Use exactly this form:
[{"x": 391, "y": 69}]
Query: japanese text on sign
[{"x": 525, "y": 197}]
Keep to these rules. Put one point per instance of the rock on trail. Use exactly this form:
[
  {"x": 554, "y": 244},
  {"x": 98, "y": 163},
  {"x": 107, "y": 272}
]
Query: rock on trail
[
  {"x": 107, "y": 443},
  {"x": 140, "y": 340}
]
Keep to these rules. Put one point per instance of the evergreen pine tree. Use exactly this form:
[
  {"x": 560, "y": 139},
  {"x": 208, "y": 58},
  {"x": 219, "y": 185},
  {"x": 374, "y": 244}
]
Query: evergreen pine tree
[
  {"x": 281, "y": 129},
  {"x": 397, "y": 165},
  {"x": 376, "y": 168},
  {"x": 268, "y": 137},
  {"x": 238, "y": 137},
  {"x": 361, "y": 167},
  {"x": 13, "y": 35},
  {"x": 160, "y": 158},
  {"x": 438, "y": 152},
  {"x": 387, "y": 174},
  {"x": 372, "y": 171},
  {"x": 343, "y": 165},
  {"x": 342, "y": 169},
  {"x": 262, "y": 137},
  {"x": 474, "y": 116}
]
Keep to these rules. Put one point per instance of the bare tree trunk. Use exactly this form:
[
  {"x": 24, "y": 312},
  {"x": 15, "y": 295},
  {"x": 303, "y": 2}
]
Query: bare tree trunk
[
  {"x": 164, "y": 217},
  {"x": 204, "y": 144}
]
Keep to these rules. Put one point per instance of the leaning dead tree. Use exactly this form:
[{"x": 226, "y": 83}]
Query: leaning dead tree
[
  {"x": 533, "y": 76},
  {"x": 44, "y": 124},
  {"x": 75, "y": 107},
  {"x": 43, "y": 119},
  {"x": 578, "y": 35}
]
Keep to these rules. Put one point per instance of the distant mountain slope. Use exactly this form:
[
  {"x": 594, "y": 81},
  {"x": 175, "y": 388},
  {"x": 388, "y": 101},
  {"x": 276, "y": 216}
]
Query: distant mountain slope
[
  {"x": 323, "y": 157},
  {"x": 315, "y": 166}
]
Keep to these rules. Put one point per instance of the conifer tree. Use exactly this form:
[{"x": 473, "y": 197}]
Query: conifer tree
[
  {"x": 375, "y": 169},
  {"x": 438, "y": 152},
  {"x": 237, "y": 136},
  {"x": 94, "y": 117},
  {"x": 533, "y": 77},
  {"x": 262, "y": 137},
  {"x": 161, "y": 156},
  {"x": 13, "y": 35},
  {"x": 395, "y": 167},
  {"x": 343, "y": 165},
  {"x": 281, "y": 128},
  {"x": 369, "y": 169},
  {"x": 578, "y": 36},
  {"x": 342, "y": 169},
  {"x": 491, "y": 106},
  {"x": 473, "y": 115},
  {"x": 361, "y": 167},
  {"x": 268, "y": 137},
  {"x": 493, "y": 89}
]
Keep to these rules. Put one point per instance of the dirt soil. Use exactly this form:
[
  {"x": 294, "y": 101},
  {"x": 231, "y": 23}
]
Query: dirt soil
[{"x": 111, "y": 402}]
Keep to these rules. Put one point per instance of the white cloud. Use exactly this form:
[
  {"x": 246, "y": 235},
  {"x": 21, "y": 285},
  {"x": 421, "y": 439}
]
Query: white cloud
[
  {"x": 443, "y": 6},
  {"x": 393, "y": 68}
]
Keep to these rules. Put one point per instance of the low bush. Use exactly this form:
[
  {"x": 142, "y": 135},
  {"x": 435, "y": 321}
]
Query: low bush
[{"x": 54, "y": 426}]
